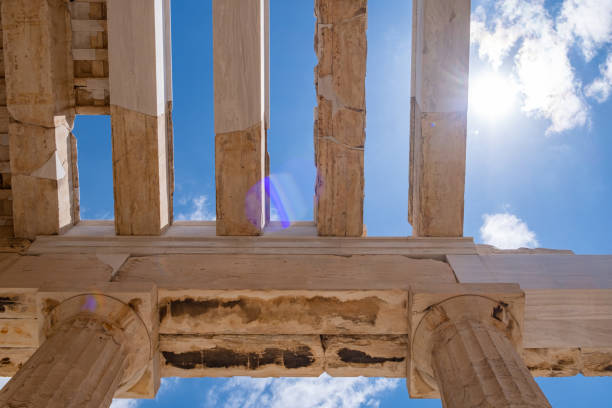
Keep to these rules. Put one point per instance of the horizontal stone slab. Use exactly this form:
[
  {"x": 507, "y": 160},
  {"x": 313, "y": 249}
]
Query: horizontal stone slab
[
  {"x": 255, "y": 356},
  {"x": 282, "y": 355},
  {"x": 284, "y": 272},
  {"x": 282, "y": 312}
]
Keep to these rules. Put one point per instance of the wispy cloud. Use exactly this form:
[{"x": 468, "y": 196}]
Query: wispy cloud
[
  {"x": 601, "y": 87},
  {"x": 542, "y": 67},
  {"x": 322, "y": 392},
  {"x": 198, "y": 211},
  {"x": 506, "y": 231},
  {"x": 588, "y": 23},
  {"x": 86, "y": 214}
]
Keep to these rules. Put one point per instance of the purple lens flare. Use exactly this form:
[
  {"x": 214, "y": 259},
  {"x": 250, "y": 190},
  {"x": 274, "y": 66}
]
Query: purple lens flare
[
  {"x": 90, "y": 304},
  {"x": 255, "y": 203}
]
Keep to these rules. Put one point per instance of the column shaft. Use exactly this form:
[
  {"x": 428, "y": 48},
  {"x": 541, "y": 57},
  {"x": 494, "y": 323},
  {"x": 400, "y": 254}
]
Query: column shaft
[
  {"x": 40, "y": 103},
  {"x": 476, "y": 366},
  {"x": 81, "y": 365}
]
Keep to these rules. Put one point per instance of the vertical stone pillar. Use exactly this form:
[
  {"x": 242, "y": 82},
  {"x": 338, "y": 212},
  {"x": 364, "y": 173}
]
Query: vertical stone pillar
[
  {"x": 242, "y": 118},
  {"x": 340, "y": 117},
  {"x": 438, "y": 116},
  {"x": 476, "y": 366},
  {"x": 40, "y": 103},
  {"x": 81, "y": 365},
  {"x": 141, "y": 108}
]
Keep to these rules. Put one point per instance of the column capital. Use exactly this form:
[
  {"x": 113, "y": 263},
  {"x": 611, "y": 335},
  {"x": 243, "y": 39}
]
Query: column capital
[
  {"x": 499, "y": 306},
  {"x": 128, "y": 312},
  {"x": 118, "y": 320}
]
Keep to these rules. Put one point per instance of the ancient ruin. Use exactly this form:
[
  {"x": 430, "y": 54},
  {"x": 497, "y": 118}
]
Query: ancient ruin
[{"x": 113, "y": 307}]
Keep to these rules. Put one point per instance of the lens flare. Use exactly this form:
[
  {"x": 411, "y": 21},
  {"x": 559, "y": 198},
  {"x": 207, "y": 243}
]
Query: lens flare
[
  {"x": 90, "y": 304},
  {"x": 256, "y": 198},
  {"x": 492, "y": 96}
]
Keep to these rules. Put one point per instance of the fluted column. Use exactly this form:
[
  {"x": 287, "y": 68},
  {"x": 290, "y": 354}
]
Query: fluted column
[
  {"x": 466, "y": 348},
  {"x": 81, "y": 365},
  {"x": 476, "y": 365},
  {"x": 96, "y": 345}
]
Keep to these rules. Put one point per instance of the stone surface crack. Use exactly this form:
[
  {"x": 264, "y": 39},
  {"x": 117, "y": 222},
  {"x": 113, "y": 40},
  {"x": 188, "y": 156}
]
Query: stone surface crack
[
  {"x": 19, "y": 122},
  {"x": 334, "y": 140}
]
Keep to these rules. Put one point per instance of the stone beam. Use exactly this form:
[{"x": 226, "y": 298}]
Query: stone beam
[
  {"x": 90, "y": 55},
  {"x": 568, "y": 297},
  {"x": 241, "y": 75},
  {"x": 200, "y": 237},
  {"x": 346, "y": 315},
  {"x": 40, "y": 103},
  {"x": 339, "y": 129},
  {"x": 141, "y": 115},
  {"x": 439, "y": 96}
]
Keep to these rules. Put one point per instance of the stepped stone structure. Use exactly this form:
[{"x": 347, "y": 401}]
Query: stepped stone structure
[{"x": 95, "y": 310}]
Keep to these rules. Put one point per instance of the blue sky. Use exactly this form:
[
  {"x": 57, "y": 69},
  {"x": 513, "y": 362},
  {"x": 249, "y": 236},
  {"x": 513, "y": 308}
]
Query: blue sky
[{"x": 538, "y": 157}]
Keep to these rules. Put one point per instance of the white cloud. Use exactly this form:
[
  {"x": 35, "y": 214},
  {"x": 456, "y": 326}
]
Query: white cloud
[
  {"x": 124, "y": 403},
  {"x": 543, "y": 70},
  {"x": 322, "y": 392},
  {"x": 199, "y": 210},
  {"x": 506, "y": 231},
  {"x": 601, "y": 87},
  {"x": 3, "y": 381},
  {"x": 589, "y": 22},
  {"x": 167, "y": 385}
]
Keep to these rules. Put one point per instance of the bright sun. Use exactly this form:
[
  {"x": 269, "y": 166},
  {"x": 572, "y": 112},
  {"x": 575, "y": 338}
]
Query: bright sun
[{"x": 492, "y": 96}]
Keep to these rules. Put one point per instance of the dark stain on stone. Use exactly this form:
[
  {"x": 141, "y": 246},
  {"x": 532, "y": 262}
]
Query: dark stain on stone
[
  {"x": 306, "y": 310},
  {"x": 359, "y": 357},
  {"x": 135, "y": 304},
  {"x": 299, "y": 358},
  {"x": 50, "y": 304},
  {"x": 7, "y": 302},
  {"x": 323, "y": 338},
  {"x": 497, "y": 312},
  {"x": 186, "y": 361},
  {"x": 565, "y": 362},
  {"x": 361, "y": 11},
  {"x": 608, "y": 368},
  {"x": 163, "y": 311},
  {"x": 5, "y": 361},
  {"x": 220, "y": 357}
]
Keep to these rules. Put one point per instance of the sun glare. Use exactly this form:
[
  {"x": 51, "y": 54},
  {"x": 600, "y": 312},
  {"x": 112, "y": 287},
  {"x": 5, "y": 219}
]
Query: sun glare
[{"x": 492, "y": 96}]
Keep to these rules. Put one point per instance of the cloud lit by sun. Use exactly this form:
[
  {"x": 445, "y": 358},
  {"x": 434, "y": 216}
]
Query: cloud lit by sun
[{"x": 492, "y": 96}]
